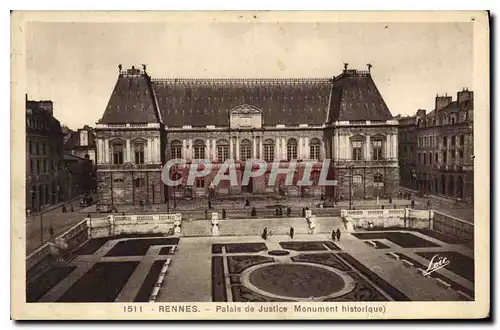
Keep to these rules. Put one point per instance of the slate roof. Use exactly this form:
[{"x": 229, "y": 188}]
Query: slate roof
[
  {"x": 132, "y": 100},
  {"x": 454, "y": 106},
  {"x": 356, "y": 97},
  {"x": 201, "y": 102},
  {"x": 208, "y": 102},
  {"x": 74, "y": 141}
]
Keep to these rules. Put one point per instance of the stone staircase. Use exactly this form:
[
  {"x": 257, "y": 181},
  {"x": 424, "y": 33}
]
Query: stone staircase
[{"x": 251, "y": 226}]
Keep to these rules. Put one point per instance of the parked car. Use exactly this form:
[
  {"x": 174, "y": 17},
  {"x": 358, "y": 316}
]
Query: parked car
[
  {"x": 86, "y": 201},
  {"x": 104, "y": 208},
  {"x": 325, "y": 204}
]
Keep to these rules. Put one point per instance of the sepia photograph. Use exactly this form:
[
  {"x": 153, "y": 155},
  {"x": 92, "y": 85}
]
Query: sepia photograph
[{"x": 171, "y": 165}]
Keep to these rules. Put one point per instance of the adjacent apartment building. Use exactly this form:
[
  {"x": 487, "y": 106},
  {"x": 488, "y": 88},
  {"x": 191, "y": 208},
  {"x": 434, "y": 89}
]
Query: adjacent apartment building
[{"x": 437, "y": 148}]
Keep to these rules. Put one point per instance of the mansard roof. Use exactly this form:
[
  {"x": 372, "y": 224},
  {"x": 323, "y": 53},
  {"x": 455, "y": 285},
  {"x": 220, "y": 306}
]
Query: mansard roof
[
  {"x": 356, "y": 97},
  {"x": 132, "y": 100},
  {"x": 199, "y": 102}
]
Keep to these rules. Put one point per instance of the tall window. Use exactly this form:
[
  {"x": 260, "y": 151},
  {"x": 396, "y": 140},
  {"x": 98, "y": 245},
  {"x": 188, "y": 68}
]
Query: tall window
[
  {"x": 269, "y": 150},
  {"x": 425, "y": 158},
  {"x": 176, "y": 150},
  {"x": 30, "y": 147},
  {"x": 199, "y": 149},
  {"x": 445, "y": 141},
  {"x": 245, "y": 150},
  {"x": 378, "y": 178},
  {"x": 314, "y": 149},
  {"x": 200, "y": 183},
  {"x": 377, "y": 150},
  {"x": 139, "y": 182},
  {"x": 462, "y": 140},
  {"x": 37, "y": 148},
  {"x": 118, "y": 153},
  {"x": 139, "y": 153},
  {"x": 430, "y": 158},
  {"x": 291, "y": 149},
  {"x": 222, "y": 151},
  {"x": 445, "y": 160},
  {"x": 357, "y": 150},
  {"x": 453, "y": 141},
  {"x": 436, "y": 158}
]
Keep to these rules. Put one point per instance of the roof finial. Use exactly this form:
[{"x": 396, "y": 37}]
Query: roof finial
[
  {"x": 345, "y": 66},
  {"x": 144, "y": 68},
  {"x": 369, "y": 67},
  {"x": 119, "y": 68}
]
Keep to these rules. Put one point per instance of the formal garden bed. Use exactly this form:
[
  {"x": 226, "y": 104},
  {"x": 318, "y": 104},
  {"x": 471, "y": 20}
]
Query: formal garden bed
[
  {"x": 94, "y": 244},
  {"x": 42, "y": 284},
  {"x": 149, "y": 282},
  {"x": 102, "y": 283},
  {"x": 218, "y": 280},
  {"x": 138, "y": 247},
  {"x": 403, "y": 239},
  {"x": 308, "y": 245}
]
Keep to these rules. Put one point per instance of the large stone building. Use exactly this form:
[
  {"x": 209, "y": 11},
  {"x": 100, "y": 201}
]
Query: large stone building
[
  {"x": 44, "y": 155},
  {"x": 437, "y": 148},
  {"x": 149, "y": 121}
]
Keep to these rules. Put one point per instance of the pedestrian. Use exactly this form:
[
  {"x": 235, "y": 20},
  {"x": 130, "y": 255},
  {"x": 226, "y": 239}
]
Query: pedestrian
[
  {"x": 280, "y": 210},
  {"x": 123, "y": 213},
  {"x": 395, "y": 206},
  {"x": 247, "y": 202},
  {"x": 88, "y": 215},
  {"x": 51, "y": 231},
  {"x": 64, "y": 209},
  {"x": 209, "y": 205},
  {"x": 206, "y": 214},
  {"x": 322, "y": 197},
  {"x": 382, "y": 207},
  {"x": 412, "y": 204},
  {"x": 72, "y": 210},
  {"x": 291, "y": 232},
  {"x": 254, "y": 212},
  {"x": 333, "y": 235},
  {"x": 429, "y": 203},
  {"x": 338, "y": 234},
  {"x": 390, "y": 200},
  {"x": 303, "y": 212},
  {"x": 223, "y": 213},
  {"x": 277, "y": 212},
  {"x": 264, "y": 233},
  {"x": 288, "y": 211}
]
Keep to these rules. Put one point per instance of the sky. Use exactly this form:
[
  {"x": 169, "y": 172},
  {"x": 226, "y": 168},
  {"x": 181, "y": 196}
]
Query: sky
[{"x": 76, "y": 64}]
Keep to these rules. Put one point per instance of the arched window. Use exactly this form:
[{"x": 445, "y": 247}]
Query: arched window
[
  {"x": 199, "y": 149},
  {"x": 314, "y": 149},
  {"x": 139, "y": 146},
  {"x": 139, "y": 182},
  {"x": 268, "y": 150},
  {"x": 222, "y": 150},
  {"x": 245, "y": 150},
  {"x": 117, "y": 150},
  {"x": 357, "y": 147},
  {"x": 378, "y": 178},
  {"x": 176, "y": 150},
  {"x": 377, "y": 147},
  {"x": 291, "y": 149}
]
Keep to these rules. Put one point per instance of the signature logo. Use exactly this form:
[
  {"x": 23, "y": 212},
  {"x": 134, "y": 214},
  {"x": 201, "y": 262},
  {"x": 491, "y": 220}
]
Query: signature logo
[{"x": 436, "y": 263}]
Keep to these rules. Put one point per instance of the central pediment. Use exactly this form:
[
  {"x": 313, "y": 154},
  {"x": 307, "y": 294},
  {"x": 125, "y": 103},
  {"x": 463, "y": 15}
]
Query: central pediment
[{"x": 245, "y": 116}]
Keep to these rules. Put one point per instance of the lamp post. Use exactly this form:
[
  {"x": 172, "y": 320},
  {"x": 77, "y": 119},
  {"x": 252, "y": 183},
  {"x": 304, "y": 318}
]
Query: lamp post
[{"x": 350, "y": 168}]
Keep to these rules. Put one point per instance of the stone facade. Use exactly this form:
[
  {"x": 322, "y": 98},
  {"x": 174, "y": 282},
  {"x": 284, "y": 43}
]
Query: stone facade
[
  {"x": 302, "y": 121},
  {"x": 443, "y": 139}
]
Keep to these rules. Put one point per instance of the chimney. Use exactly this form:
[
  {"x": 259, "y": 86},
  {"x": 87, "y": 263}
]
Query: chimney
[
  {"x": 442, "y": 101},
  {"x": 465, "y": 95},
  {"x": 421, "y": 113}
]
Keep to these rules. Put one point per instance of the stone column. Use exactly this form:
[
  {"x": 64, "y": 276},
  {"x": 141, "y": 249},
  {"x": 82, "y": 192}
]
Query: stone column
[
  {"x": 128, "y": 150},
  {"x": 190, "y": 151},
  {"x": 214, "y": 150},
  {"x": 395, "y": 146},
  {"x": 347, "y": 148},
  {"x": 183, "y": 151},
  {"x": 277, "y": 153},
  {"x": 208, "y": 149},
  {"x": 237, "y": 148},
  {"x": 231, "y": 149},
  {"x": 106, "y": 151},
  {"x": 261, "y": 148},
  {"x": 100, "y": 152},
  {"x": 300, "y": 148},
  {"x": 342, "y": 152},
  {"x": 307, "y": 149},
  {"x": 283, "y": 148},
  {"x": 368, "y": 148},
  {"x": 254, "y": 147},
  {"x": 388, "y": 153}
]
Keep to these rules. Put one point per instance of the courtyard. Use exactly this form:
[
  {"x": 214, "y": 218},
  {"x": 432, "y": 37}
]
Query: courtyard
[{"x": 361, "y": 266}]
